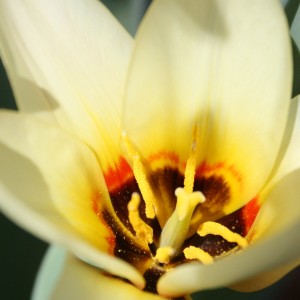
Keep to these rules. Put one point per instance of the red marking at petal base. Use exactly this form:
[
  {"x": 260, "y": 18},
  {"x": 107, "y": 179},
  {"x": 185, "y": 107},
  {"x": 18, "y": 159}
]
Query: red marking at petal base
[
  {"x": 164, "y": 155},
  {"x": 116, "y": 177},
  {"x": 207, "y": 168},
  {"x": 249, "y": 213},
  {"x": 110, "y": 239},
  {"x": 122, "y": 173}
]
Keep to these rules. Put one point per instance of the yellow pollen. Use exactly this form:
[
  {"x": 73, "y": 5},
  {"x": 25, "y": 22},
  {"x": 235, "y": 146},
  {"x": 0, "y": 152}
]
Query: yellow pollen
[
  {"x": 143, "y": 231},
  {"x": 197, "y": 253},
  {"x": 218, "y": 229},
  {"x": 190, "y": 169},
  {"x": 163, "y": 254},
  {"x": 141, "y": 177}
]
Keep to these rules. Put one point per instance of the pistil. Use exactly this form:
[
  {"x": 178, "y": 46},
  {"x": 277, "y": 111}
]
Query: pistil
[{"x": 175, "y": 230}]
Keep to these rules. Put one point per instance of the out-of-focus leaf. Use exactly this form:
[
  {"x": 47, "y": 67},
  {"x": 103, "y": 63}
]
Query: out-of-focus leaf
[
  {"x": 295, "y": 27},
  {"x": 128, "y": 12},
  {"x": 292, "y": 12},
  {"x": 296, "y": 80},
  {"x": 291, "y": 8}
]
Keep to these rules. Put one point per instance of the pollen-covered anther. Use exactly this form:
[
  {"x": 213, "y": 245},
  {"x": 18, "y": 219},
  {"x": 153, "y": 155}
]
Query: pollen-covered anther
[
  {"x": 164, "y": 254},
  {"x": 192, "y": 252},
  {"x": 218, "y": 229},
  {"x": 190, "y": 169},
  {"x": 140, "y": 175},
  {"x": 143, "y": 231}
]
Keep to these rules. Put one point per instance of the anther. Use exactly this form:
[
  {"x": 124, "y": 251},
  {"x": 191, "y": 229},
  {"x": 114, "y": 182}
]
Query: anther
[
  {"x": 143, "y": 231},
  {"x": 164, "y": 254},
  {"x": 190, "y": 169},
  {"x": 218, "y": 229},
  {"x": 141, "y": 177},
  {"x": 197, "y": 253}
]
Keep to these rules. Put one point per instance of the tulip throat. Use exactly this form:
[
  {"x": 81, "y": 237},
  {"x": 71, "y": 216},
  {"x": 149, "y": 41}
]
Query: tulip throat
[{"x": 175, "y": 231}]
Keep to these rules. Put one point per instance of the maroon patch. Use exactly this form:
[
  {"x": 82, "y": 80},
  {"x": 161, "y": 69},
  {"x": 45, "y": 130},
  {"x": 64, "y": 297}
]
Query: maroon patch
[
  {"x": 152, "y": 276},
  {"x": 126, "y": 248},
  {"x": 215, "y": 190}
]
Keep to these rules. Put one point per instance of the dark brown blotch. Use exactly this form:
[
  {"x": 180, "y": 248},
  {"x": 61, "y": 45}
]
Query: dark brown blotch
[
  {"x": 165, "y": 182},
  {"x": 216, "y": 191},
  {"x": 234, "y": 222},
  {"x": 126, "y": 248},
  {"x": 152, "y": 276}
]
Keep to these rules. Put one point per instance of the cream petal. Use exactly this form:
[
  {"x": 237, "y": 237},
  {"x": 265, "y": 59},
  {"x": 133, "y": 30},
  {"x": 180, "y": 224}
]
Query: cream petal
[
  {"x": 64, "y": 277},
  {"x": 274, "y": 243},
  {"x": 289, "y": 155},
  {"x": 225, "y": 66},
  {"x": 69, "y": 57},
  {"x": 265, "y": 279},
  {"x": 280, "y": 211},
  {"x": 48, "y": 181}
]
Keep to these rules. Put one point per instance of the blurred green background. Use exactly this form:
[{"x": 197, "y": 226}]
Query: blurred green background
[{"x": 21, "y": 253}]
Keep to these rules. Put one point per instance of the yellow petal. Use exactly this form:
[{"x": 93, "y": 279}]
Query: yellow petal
[
  {"x": 64, "y": 277},
  {"x": 50, "y": 185},
  {"x": 225, "y": 66},
  {"x": 69, "y": 58}
]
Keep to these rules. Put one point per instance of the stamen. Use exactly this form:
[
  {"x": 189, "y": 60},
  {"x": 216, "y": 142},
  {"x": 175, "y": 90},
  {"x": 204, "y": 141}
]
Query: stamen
[
  {"x": 190, "y": 169},
  {"x": 175, "y": 230},
  {"x": 197, "y": 253},
  {"x": 143, "y": 231},
  {"x": 218, "y": 229},
  {"x": 164, "y": 254},
  {"x": 141, "y": 177}
]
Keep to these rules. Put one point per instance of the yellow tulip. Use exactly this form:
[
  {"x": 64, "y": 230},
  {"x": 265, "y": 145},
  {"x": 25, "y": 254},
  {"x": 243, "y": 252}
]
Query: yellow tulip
[{"x": 164, "y": 165}]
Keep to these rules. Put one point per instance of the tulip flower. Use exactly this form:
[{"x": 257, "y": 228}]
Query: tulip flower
[{"x": 164, "y": 165}]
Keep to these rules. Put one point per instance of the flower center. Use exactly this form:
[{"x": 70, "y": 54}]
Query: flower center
[
  {"x": 163, "y": 213},
  {"x": 175, "y": 230}
]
